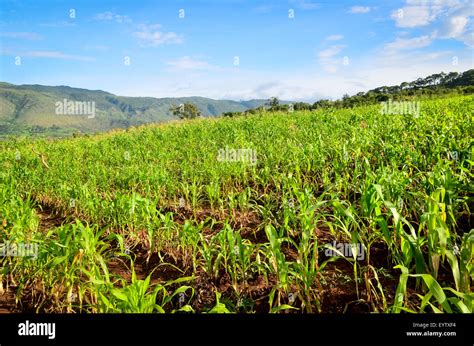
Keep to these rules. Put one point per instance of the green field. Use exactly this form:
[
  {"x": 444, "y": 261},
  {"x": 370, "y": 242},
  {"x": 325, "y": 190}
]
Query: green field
[{"x": 346, "y": 210}]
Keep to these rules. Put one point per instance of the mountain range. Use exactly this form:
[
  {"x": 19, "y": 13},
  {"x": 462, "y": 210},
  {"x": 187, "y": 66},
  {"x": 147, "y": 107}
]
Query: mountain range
[{"x": 59, "y": 110}]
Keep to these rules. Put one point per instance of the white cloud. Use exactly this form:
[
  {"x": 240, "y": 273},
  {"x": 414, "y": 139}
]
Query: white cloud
[
  {"x": 334, "y": 37},
  {"x": 330, "y": 52},
  {"x": 467, "y": 38},
  {"x": 447, "y": 19},
  {"x": 328, "y": 58},
  {"x": 54, "y": 55},
  {"x": 408, "y": 43},
  {"x": 110, "y": 16},
  {"x": 455, "y": 26},
  {"x": 412, "y": 16},
  {"x": 189, "y": 63},
  {"x": 305, "y": 83},
  {"x": 33, "y": 36},
  {"x": 151, "y": 36},
  {"x": 359, "y": 9},
  {"x": 417, "y": 13}
]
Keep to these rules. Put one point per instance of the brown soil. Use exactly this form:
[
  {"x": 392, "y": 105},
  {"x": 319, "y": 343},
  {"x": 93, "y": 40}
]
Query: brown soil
[
  {"x": 160, "y": 271},
  {"x": 7, "y": 301},
  {"x": 337, "y": 291},
  {"x": 49, "y": 218}
]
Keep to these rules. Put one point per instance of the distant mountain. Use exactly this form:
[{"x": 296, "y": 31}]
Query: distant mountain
[{"x": 62, "y": 109}]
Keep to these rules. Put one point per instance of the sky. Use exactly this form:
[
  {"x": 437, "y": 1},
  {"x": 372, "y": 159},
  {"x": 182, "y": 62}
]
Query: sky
[{"x": 233, "y": 49}]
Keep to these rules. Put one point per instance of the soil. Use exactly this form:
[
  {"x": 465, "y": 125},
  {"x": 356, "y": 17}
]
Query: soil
[
  {"x": 49, "y": 218},
  {"x": 7, "y": 301},
  {"x": 337, "y": 289}
]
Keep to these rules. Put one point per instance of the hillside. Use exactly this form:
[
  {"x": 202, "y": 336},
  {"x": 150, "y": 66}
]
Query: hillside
[{"x": 32, "y": 109}]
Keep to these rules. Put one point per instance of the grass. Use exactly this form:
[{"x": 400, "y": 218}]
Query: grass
[{"x": 148, "y": 220}]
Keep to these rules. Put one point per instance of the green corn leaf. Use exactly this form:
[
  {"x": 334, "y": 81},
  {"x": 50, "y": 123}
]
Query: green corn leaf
[
  {"x": 277, "y": 309},
  {"x": 435, "y": 289}
]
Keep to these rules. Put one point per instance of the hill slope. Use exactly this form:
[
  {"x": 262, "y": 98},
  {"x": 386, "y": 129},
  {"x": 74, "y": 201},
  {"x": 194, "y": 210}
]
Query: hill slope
[{"x": 33, "y": 108}]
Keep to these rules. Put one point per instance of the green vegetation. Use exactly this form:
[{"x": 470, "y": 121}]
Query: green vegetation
[
  {"x": 436, "y": 85},
  {"x": 31, "y": 110},
  {"x": 149, "y": 220},
  {"x": 185, "y": 111},
  {"x": 433, "y": 86}
]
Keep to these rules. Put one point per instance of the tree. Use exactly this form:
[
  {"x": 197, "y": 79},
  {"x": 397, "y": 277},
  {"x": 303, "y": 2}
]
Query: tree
[
  {"x": 420, "y": 82},
  {"x": 273, "y": 103},
  {"x": 300, "y": 106},
  {"x": 232, "y": 114},
  {"x": 346, "y": 100},
  {"x": 450, "y": 77},
  {"x": 322, "y": 104},
  {"x": 404, "y": 85},
  {"x": 185, "y": 111}
]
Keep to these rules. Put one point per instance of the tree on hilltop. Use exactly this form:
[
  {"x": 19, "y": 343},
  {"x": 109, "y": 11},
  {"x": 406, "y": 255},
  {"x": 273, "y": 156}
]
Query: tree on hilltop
[
  {"x": 185, "y": 111},
  {"x": 273, "y": 103}
]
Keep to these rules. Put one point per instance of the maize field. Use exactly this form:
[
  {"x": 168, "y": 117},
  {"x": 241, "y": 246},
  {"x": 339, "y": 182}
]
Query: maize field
[{"x": 326, "y": 211}]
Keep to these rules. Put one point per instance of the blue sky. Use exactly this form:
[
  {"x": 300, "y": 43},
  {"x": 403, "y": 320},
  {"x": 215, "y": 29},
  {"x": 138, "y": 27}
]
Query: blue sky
[{"x": 233, "y": 49}]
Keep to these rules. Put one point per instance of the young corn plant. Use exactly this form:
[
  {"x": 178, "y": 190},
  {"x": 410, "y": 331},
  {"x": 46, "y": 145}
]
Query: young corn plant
[
  {"x": 457, "y": 302},
  {"x": 278, "y": 262},
  {"x": 438, "y": 235},
  {"x": 305, "y": 269}
]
